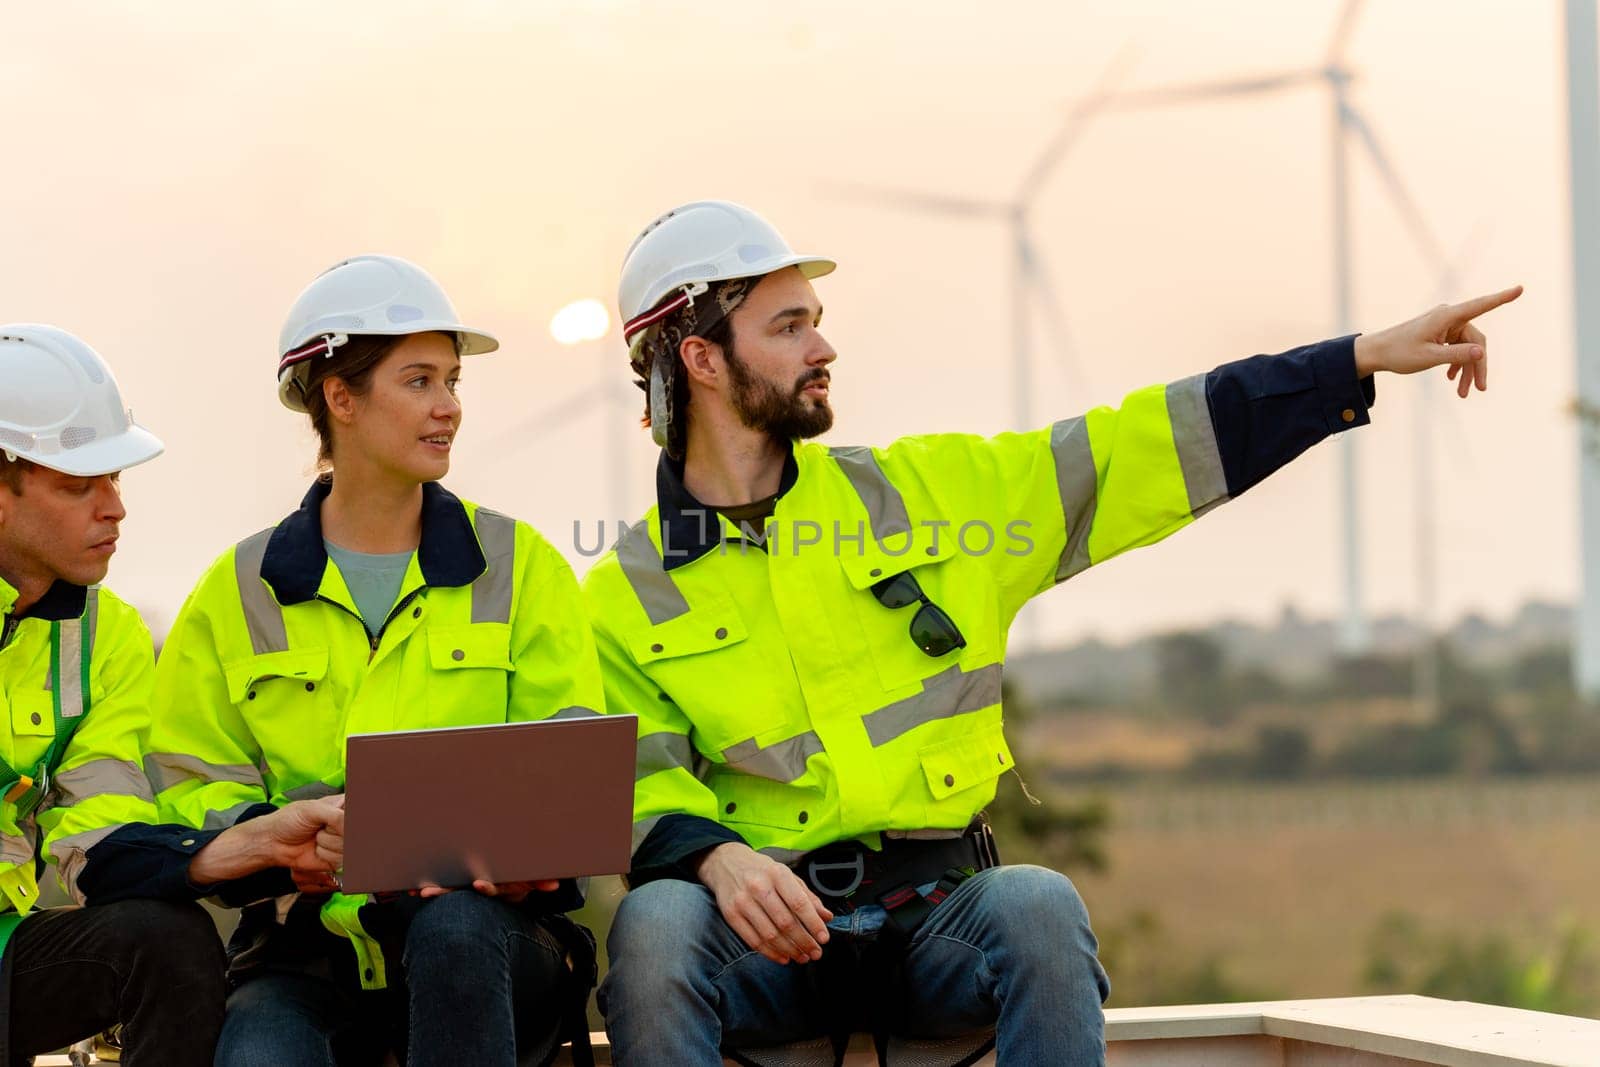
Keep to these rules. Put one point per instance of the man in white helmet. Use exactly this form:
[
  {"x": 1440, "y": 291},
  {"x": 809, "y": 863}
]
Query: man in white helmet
[
  {"x": 76, "y": 670},
  {"x": 813, "y": 639}
]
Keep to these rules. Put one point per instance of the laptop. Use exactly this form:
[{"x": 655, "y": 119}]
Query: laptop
[{"x": 508, "y": 802}]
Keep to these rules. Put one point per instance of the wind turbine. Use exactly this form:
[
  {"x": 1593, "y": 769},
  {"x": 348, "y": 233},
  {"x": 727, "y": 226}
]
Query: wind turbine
[
  {"x": 1583, "y": 140},
  {"x": 1348, "y": 124},
  {"x": 1030, "y": 285}
]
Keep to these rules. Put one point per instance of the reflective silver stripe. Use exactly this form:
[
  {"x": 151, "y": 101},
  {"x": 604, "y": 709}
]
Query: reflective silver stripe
[
  {"x": 1078, "y": 484},
  {"x": 641, "y": 830},
  {"x": 886, "y": 508},
  {"x": 167, "y": 769},
  {"x": 71, "y": 668},
  {"x": 642, "y": 565},
  {"x": 97, "y": 777},
  {"x": 662, "y": 752},
  {"x": 18, "y": 848},
  {"x": 93, "y": 610},
  {"x": 491, "y": 591},
  {"x": 786, "y": 856},
  {"x": 263, "y": 617},
  {"x": 576, "y": 712},
  {"x": 221, "y": 820},
  {"x": 1196, "y": 439},
  {"x": 950, "y": 692},
  {"x": 71, "y": 853},
  {"x": 311, "y": 791},
  {"x": 782, "y": 762}
]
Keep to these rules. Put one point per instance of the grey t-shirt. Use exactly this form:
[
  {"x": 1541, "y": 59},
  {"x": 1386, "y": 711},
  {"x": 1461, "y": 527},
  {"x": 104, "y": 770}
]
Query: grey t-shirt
[{"x": 373, "y": 578}]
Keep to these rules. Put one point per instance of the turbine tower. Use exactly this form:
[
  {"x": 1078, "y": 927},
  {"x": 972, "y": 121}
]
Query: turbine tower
[
  {"x": 1030, "y": 286},
  {"x": 1583, "y": 136},
  {"x": 1348, "y": 124}
]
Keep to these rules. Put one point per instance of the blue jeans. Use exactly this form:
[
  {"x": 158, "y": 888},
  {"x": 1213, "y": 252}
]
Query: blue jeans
[
  {"x": 482, "y": 983},
  {"x": 1010, "y": 948}
]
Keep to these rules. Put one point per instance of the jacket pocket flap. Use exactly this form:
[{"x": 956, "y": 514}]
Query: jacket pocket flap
[
  {"x": 964, "y": 762},
  {"x": 874, "y": 561},
  {"x": 307, "y": 664},
  {"x": 478, "y": 644},
  {"x": 705, "y": 628}
]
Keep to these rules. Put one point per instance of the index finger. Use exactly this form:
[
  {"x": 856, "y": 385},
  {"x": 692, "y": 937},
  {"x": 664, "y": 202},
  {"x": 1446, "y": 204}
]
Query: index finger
[
  {"x": 805, "y": 906},
  {"x": 1480, "y": 305}
]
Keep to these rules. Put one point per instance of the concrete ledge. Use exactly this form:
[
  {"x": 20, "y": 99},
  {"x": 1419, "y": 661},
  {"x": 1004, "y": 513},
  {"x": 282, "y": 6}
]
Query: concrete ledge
[
  {"x": 1402, "y": 1031},
  {"x": 1398, "y": 1029}
]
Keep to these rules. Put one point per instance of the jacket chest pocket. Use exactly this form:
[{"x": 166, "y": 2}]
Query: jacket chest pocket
[
  {"x": 703, "y": 663},
  {"x": 958, "y": 603},
  {"x": 33, "y": 713},
  {"x": 277, "y": 693},
  {"x": 469, "y": 674}
]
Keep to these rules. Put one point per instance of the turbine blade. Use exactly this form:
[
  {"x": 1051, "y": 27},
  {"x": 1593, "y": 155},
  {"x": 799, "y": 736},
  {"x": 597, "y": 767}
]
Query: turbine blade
[
  {"x": 1342, "y": 31},
  {"x": 1077, "y": 120},
  {"x": 1167, "y": 96},
  {"x": 913, "y": 200},
  {"x": 1421, "y": 232}
]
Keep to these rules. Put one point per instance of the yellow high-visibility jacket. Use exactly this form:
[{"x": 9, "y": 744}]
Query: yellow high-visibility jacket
[
  {"x": 269, "y": 667},
  {"x": 782, "y": 704},
  {"x": 99, "y": 785}
]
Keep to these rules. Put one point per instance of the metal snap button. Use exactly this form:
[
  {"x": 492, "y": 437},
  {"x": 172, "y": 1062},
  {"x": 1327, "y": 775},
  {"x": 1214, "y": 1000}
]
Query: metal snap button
[
  {"x": 458, "y": 655},
  {"x": 416, "y": 613},
  {"x": 804, "y": 817},
  {"x": 35, "y": 718},
  {"x": 311, "y": 687},
  {"x": 655, "y": 647},
  {"x": 949, "y": 779},
  {"x": 730, "y": 808},
  {"x": 874, "y": 572},
  {"x": 188, "y": 842},
  {"x": 722, "y": 632},
  {"x": 1348, "y": 415},
  {"x": 250, "y": 695}
]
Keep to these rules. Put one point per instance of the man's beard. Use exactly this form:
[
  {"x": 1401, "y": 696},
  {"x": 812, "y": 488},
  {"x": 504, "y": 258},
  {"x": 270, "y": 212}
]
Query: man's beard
[{"x": 761, "y": 405}]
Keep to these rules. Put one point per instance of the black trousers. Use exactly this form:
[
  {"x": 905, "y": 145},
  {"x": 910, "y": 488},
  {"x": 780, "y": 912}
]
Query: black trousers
[{"x": 153, "y": 966}]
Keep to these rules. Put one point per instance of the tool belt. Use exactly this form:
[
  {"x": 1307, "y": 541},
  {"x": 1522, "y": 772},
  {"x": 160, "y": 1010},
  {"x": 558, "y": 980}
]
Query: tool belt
[{"x": 848, "y": 874}]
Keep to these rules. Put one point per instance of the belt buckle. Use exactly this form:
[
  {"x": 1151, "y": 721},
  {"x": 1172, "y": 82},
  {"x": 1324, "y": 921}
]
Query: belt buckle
[{"x": 856, "y": 865}]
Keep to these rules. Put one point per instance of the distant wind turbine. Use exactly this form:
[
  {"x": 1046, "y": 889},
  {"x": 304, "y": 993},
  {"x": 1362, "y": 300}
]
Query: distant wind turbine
[{"x": 1349, "y": 123}]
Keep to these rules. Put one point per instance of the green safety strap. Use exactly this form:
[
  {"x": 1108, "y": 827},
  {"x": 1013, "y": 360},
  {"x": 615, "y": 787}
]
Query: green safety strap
[
  {"x": 8, "y": 925},
  {"x": 70, "y": 652}
]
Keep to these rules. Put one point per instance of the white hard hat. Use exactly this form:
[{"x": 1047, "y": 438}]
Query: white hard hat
[
  {"x": 382, "y": 295},
  {"x": 693, "y": 245},
  {"x": 60, "y": 406}
]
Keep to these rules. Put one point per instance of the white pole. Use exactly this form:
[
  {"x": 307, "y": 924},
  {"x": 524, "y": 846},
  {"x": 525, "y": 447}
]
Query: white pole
[
  {"x": 1353, "y": 635},
  {"x": 1022, "y": 380},
  {"x": 1583, "y": 134},
  {"x": 1426, "y": 660},
  {"x": 1021, "y": 375}
]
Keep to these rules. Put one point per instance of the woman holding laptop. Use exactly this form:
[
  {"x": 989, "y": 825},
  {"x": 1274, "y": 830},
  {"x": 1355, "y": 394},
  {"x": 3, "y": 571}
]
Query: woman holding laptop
[{"x": 382, "y": 603}]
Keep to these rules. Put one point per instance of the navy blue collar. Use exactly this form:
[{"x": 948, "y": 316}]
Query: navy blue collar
[
  {"x": 449, "y": 553},
  {"x": 62, "y": 601},
  {"x": 689, "y": 529}
]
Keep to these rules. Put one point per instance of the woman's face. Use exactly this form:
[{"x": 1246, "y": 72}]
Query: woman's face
[{"x": 407, "y": 419}]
